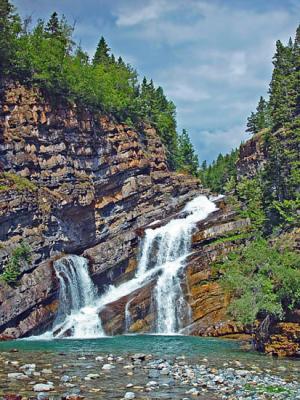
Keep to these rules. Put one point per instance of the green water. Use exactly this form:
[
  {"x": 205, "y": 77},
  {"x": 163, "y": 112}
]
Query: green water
[
  {"x": 216, "y": 350},
  {"x": 77, "y": 358}
]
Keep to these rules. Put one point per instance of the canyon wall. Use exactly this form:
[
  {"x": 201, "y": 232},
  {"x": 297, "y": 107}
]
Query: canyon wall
[{"x": 74, "y": 181}]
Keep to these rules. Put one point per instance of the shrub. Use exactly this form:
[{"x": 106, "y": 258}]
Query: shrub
[
  {"x": 19, "y": 255},
  {"x": 262, "y": 279}
]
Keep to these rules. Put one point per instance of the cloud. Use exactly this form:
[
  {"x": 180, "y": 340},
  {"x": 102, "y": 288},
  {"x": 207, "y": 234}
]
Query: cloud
[
  {"x": 137, "y": 14},
  {"x": 221, "y": 140}
]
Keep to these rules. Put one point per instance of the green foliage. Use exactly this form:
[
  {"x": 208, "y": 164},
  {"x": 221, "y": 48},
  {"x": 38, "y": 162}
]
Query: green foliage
[
  {"x": 46, "y": 56},
  {"x": 250, "y": 194},
  {"x": 262, "y": 279},
  {"x": 281, "y": 177},
  {"x": 187, "y": 159},
  {"x": 102, "y": 53},
  {"x": 10, "y": 28},
  {"x": 282, "y": 95},
  {"x": 9, "y": 180},
  {"x": 19, "y": 256},
  {"x": 217, "y": 175},
  {"x": 261, "y": 119}
]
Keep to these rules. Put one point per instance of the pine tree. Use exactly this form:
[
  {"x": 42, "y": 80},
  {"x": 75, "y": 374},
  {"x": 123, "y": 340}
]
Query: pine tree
[
  {"x": 10, "y": 27},
  {"x": 121, "y": 62},
  {"x": 53, "y": 26},
  {"x": 260, "y": 119},
  {"x": 102, "y": 53},
  {"x": 282, "y": 98},
  {"x": 188, "y": 160},
  {"x": 296, "y": 77},
  {"x": 252, "y": 124}
]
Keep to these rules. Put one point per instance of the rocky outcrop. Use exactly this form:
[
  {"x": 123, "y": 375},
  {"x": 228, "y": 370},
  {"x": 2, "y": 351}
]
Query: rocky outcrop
[
  {"x": 252, "y": 156},
  {"x": 280, "y": 339},
  {"x": 74, "y": 181}
]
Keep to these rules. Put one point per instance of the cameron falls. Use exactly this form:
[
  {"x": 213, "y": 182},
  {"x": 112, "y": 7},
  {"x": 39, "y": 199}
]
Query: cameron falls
[{"x": 129, "y": 269}]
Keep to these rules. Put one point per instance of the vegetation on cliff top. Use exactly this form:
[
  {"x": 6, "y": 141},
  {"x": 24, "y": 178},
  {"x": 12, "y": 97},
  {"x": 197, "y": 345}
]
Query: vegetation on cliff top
[{"x": 47, "y": 56}]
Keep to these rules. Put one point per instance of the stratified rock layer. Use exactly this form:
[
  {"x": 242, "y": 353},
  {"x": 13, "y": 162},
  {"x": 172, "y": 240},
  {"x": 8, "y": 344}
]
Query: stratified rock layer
[{"x": 94, "y": 182}]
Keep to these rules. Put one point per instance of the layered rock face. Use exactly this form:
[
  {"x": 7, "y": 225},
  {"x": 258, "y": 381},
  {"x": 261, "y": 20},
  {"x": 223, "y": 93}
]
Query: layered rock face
[{"x": 93, "y": 183}]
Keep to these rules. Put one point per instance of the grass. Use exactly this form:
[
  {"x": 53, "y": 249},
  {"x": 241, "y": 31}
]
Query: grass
[
  {"x": 10, "y": 180},
  {"x": 267, "y": 389},
  {"x": 232, "y": 237}
]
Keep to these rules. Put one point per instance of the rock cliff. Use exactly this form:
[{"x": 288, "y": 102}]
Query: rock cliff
[{"x": 74, "y": 181}]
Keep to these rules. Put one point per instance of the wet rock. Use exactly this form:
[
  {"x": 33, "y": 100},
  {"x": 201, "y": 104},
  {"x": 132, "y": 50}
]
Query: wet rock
[
  {"x": 65, "y": 378},
  {"x": 129, "y": 396},
  {"x": 138, "y": 356},
  {"x": 28, "y": 366},
  {"x": 43, "y": 396},
  {"x": 17, "y": 375},
  {"x": 107, "y": 367},
  {"x": 43, "y": 387},
  {"x": 153, "y": 373}
]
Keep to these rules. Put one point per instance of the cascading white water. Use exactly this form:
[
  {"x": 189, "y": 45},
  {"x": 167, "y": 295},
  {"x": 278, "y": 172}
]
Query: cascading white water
[
  {"x": 77, "y": 315},
  {"x": 163, "y": 254},
  {"x": 164, "y": 251},
  {"x": 171, "y": 243}
]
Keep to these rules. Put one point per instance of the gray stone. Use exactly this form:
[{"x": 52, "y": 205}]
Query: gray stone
[
  {"x": 17, "y": 375},
  {"x": 43, "y": 387},
  {"x": 129, "y": 396},
  {"x": 108, "y": 366}
]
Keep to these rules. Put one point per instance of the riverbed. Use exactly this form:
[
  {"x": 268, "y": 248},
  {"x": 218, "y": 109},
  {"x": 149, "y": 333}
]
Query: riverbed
[{"x": 144, "y": 367}]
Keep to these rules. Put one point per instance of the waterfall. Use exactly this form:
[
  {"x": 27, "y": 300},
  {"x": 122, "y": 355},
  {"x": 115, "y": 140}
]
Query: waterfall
[
  {"x": 163, "y": 256},
  {"x": 163, "y": 253},
  {"x": 77, "y": 315},
  {"x": 170, "y": 245}
]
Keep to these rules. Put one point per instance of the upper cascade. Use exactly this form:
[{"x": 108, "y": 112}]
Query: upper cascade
[{"x": 163, "y": 254}]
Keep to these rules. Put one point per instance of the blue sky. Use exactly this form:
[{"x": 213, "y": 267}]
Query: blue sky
[{"x": 212, "y": 57}]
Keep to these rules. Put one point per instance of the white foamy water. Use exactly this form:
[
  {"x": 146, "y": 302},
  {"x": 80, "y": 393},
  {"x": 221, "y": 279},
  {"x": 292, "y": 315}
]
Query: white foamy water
[
  {"x": 77, "y": 316},
  {"x": 162, "y": 256}
]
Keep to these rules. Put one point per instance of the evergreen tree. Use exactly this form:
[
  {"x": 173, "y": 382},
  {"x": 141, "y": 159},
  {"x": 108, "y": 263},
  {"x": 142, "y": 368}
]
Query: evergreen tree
[
  {"x": 188, "y": 160},
  {"x": 296, "y": 63},
  {"x": 10, "y": 27},
  {"x": 53, "y": 25},
  {"x": 252, "y": 124},
  {"x": 260, "y": 119},
  {"x": 282, "y": 99},
  {"x": 102, "y": 53}
]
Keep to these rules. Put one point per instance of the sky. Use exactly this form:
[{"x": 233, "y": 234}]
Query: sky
[{"x": 213, "y": 58}]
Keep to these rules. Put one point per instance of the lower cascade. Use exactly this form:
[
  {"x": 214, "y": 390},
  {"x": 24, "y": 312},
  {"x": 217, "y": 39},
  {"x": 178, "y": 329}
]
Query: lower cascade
[
  {"x": 77, "y": 316},
  {"x": 162, "y": 257}
]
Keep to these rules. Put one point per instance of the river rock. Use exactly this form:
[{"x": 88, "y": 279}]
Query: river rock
[
  {"x": 153, "y": 373},
  {"x": 129, "y": 396},
  {"x": 43, "y": 387},
  {"x": 17, "y": 375},
  {"x": 138, "y": 356},
  {"x": 28, "y": 366},
  {"x": 108, "y": 366}
]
